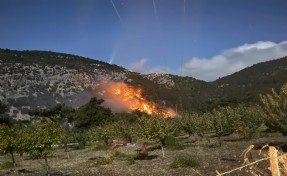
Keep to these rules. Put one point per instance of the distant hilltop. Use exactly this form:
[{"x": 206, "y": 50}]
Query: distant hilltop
[{"x": 30, "y": 79}]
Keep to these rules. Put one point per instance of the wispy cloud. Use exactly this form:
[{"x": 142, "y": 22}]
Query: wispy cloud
[
  {"x": 232, "y": 60},
  {"x": 141, "y": 67}
]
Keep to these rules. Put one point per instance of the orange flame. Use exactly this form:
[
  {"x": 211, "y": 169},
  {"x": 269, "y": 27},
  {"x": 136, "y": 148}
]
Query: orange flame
[{"x": 132, "y": 97}]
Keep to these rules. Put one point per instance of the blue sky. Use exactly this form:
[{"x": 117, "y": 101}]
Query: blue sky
[{"x": 205, "y": 39}]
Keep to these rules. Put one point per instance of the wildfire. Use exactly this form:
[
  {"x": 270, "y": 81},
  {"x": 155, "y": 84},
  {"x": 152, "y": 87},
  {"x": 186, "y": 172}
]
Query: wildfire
[{"x": 132, "y": 97}]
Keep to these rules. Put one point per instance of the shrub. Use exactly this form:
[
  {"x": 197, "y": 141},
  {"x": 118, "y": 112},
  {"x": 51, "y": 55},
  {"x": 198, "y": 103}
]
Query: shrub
[
  {"x": 78, "y": 147},
  {"x": 180, "y": 162},
  {"x": 119, "y": 154},
  {"x": 7, "y": 165},
  {"x": 141, "y": 155},
  {"x": 101, "y": 147},
  {"x": 99, "y": 161},
  {"x": 275, "y": 106},
  {"x": 174, "y": 144}
]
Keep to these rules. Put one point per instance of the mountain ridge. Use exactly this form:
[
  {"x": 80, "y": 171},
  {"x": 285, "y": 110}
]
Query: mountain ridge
[{"x": 38, "y": 79}]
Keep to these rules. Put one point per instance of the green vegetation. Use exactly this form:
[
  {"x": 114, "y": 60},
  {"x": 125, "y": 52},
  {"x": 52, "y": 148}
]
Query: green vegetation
[
  {"x": 275, "y": 106},
  {"x": 241, "y": 87},
  {"x": 141, "y": 155},
  {"x": 154, "y": 128},
  {"x": 9, "y": 141},
  {"x": 50, "y": 129},
  {"x": 6, "y": 165},
  {"x": 99, "y": 161},
  {"x": 92, "y": 114},
  {"x": 3, "y": 109},
  {"x": 173, "y": 143},
  {"x": 44, "y": 133},
  {"x": 186, "y": 161}
]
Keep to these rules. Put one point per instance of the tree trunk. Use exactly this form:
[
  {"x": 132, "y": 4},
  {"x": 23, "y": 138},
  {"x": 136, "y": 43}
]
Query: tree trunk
[
  {"x": 162, "y": 150},
  {"x": 13, "y": 159},
  {"x": 66, "y": 147},
  {"x": 47, "y": 166},
  {"x": 219, "y": 141}
]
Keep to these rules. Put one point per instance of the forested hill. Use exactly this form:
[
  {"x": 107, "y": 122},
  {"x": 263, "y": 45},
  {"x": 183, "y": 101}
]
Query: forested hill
[
  {"x": 30, "y": 79},
  {"x": 246, "y": 84}
]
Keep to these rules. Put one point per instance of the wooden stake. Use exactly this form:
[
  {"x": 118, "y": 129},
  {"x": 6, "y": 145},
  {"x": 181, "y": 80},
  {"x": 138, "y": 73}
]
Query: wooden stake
[{"x": 274, "y": 166}]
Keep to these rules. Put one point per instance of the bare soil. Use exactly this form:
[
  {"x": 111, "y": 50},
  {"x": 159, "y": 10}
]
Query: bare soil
[{"x": 207, "y": 153}]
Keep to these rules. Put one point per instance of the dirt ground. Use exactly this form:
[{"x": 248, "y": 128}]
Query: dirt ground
[{"x": 209, "y": 155}]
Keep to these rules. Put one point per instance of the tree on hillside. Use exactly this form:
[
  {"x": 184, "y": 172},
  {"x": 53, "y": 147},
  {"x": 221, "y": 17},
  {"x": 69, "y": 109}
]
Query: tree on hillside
[
  {"x": 275, "y": 110},
  {"x": 3, "y": 109},
  {"x": 92, "y": 114},
  {"x": 61, "y": 111}
]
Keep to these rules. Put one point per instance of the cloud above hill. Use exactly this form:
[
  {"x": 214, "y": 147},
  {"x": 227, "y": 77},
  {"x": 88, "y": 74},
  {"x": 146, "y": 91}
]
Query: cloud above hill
[
  {"x": 142, "y": 67},
  {"x": 232, "y": 60}
]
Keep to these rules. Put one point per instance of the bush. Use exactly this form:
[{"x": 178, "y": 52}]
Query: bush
[
  {"x": 120, "y": 155},
  {"x": 142, "y": 155},
  {"x": 180, "y": 162},
  {"x": 7, "y": 165},
  {"x": 174, "y": 144},
  {"x": 275, "y": 106},
  {"x": 101, "y": 147},
  {"x": 78, "y": 147},
  {"x": 99, "y": 161},
  {"x": 130, "y": 160}
]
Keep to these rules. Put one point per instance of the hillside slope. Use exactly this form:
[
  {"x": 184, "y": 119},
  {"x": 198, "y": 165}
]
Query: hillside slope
[
  {"x": 248, "y": 83},
  {"x": 30, "y": 79}
]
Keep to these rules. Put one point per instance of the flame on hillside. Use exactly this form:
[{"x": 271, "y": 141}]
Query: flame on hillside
[{"x": 133, "y": 99}]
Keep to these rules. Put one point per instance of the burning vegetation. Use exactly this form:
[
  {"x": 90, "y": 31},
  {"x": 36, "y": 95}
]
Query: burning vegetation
[{"x": 133, "y": 99}]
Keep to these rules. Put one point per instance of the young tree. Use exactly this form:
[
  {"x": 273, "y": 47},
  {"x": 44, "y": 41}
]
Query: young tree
[
  {"x": 154, "y": 128},
  {"x": 223, "y": 122},
  {"x": 247, "y": 121},
  {"x": 194, "y": 123},
  {"x": 275, "y": 110},
  {"x": 43, "y": 134},
  {"x": 8, "y": 140},
  {"x": 102, "y": 133},
  {"x": 124, "y": 129}
]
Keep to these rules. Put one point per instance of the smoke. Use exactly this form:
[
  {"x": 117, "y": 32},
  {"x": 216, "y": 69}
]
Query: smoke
[{"x": 111, "y": 101}]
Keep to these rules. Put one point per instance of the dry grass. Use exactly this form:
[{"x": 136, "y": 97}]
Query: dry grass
[
  {"x": 208, "y": 155},
  {"x": 277, "y": 163}
]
